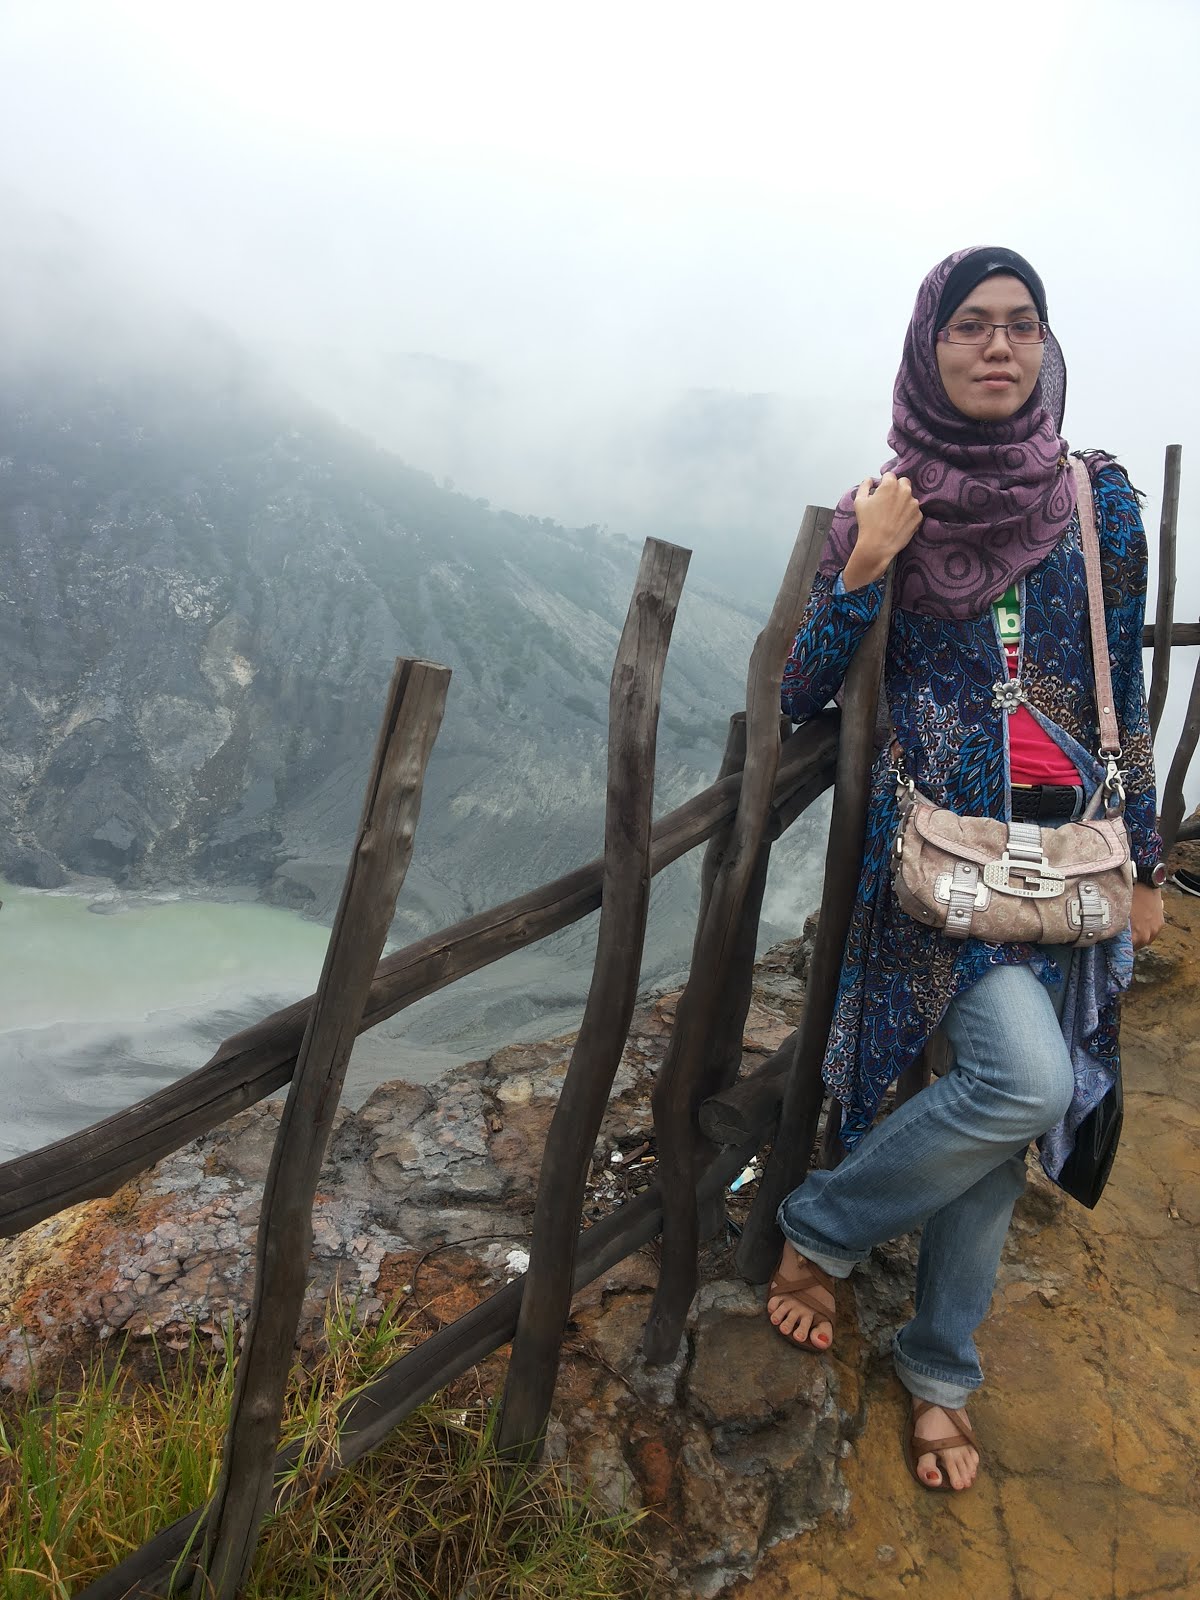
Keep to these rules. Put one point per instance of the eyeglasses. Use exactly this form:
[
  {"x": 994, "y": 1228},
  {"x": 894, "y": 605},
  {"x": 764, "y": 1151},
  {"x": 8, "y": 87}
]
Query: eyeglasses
[{"x": 971, "y": 331}]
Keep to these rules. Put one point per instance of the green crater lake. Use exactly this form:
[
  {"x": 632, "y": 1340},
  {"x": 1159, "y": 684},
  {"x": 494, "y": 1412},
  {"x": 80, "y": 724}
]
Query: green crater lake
[{"x": 106, "y": 997}]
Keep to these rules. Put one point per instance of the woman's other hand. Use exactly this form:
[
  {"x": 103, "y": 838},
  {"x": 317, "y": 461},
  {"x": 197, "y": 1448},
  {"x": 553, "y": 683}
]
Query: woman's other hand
[
  {"x": 888, "y": 515},
  {"x": 1146, "y": 915}
]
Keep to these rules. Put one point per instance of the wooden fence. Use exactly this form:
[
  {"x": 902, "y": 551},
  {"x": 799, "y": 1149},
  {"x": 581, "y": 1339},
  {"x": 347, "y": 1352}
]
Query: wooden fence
[{"x": 707, "y": 1124}]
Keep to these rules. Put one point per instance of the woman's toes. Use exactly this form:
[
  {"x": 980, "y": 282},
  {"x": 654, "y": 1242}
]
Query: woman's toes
[
  {"x": 801, "y": 1323},
  {"x": 788, "y": 1319},
  {"x": 927, "y": 1470},
  {"x": 961, "y": 1465},
  {"x": 796, "y": 1322}
]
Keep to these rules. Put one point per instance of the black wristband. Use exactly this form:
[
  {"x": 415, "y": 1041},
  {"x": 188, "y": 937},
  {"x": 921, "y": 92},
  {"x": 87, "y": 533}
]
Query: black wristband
[{"x": 1152, "y": 876}]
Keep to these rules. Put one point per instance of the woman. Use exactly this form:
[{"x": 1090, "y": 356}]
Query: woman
[{"x": 977, "y": 510}]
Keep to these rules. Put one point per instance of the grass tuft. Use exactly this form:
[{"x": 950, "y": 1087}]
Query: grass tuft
[{"x": 91, "y": 1471}]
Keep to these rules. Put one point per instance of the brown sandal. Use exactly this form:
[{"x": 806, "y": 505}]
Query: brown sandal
[
  {"x": 800, "y": 1288},
  {"x": 915, "y": 1448}
]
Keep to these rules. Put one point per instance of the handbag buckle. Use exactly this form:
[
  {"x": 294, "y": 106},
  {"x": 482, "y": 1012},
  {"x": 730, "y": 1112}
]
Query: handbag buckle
[
  {"x": 1090, "y": 913},
  {"x": 943, "y": 884},
  {"x": 1034, "y": 880}
]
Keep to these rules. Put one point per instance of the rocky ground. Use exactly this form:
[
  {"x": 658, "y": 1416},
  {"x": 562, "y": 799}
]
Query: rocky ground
[
  {"x": 1090, "y": 1418},
  {"x": 767, "y": 1473}
]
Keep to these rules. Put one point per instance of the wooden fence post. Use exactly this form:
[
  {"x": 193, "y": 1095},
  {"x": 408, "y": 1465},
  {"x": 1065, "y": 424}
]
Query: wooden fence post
[
  {"x": 724, "y": 1055},
  {"x": 633, "y": 708},
  {"x": 1171, "y": 815},
  {"x": 1164, "y": 610},
  {"x": 733, "y": 760},
  {"x": 832, "y": 1148},
  {"x": 382, "y": 852},
  {"x": 788, "y": 1162},
  {"x": 676, "y": 1088}
]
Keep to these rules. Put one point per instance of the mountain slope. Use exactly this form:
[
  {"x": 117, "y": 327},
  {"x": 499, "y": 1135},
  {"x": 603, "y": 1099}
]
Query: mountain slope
[{"x": 203, "y": 590}]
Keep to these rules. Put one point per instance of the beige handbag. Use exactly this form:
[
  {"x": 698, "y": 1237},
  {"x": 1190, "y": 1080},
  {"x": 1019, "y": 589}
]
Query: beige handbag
[{"x": 1008, "y": 882}]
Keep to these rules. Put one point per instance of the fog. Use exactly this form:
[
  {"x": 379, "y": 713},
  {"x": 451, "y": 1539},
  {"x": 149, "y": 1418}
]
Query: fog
[{"x": 646, "y": 266}]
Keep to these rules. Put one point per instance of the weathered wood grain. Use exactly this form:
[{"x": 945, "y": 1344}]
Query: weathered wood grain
[
  {"x": 748, "y": 1109},
  {"x": 733, "y": 759},
  {"x": 760, "y": 1242},
  {"x": 677, "y": 1087},
  {"x": 1164, "y": 609},
  {"x": 378, "y": 865},
  {"x": 832, "y": 1148},
  {"x": 1182, "y": 634},
  {"x": 251, "y": 1064},
  {"x": 635, "y": 695},
  {"x": 723, "y": 1060},
  {"x": 724, "y": 1056}
]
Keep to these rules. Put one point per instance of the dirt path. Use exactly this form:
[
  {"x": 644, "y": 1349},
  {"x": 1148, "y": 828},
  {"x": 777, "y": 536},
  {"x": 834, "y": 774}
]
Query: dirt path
[{"x": 1090, "y": 1418}]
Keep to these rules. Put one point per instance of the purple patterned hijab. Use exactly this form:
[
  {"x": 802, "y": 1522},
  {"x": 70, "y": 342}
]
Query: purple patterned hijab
[{"x": 996, "y": 496}]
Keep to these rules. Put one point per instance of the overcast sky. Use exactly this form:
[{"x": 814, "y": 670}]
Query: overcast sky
[{"x": 645, "y": 264}]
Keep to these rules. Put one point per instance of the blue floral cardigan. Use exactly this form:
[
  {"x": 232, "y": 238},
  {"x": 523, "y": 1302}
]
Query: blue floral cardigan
[{"x": 898, "y": 977}]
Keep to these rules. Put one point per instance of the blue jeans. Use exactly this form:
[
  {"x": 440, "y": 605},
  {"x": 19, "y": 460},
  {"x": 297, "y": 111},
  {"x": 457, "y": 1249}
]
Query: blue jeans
[{"x": 950, "y": 1161}]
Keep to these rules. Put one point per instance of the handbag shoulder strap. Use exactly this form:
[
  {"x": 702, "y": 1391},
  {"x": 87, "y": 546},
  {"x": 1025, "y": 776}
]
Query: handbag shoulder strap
[{"x": 1110, "y": 738}]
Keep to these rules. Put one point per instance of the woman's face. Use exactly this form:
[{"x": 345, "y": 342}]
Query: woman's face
[{"x": 992, "y": 381}]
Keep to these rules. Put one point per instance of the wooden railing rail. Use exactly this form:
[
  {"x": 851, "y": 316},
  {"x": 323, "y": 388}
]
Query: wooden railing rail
[
  {"x": 734, "y": 1113},
  {"x": 251, "y": 1064},
  {"x": 1183, "y": 635}
]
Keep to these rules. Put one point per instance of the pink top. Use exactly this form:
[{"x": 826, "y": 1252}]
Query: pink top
[{"x": 1033, "y": 755}]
